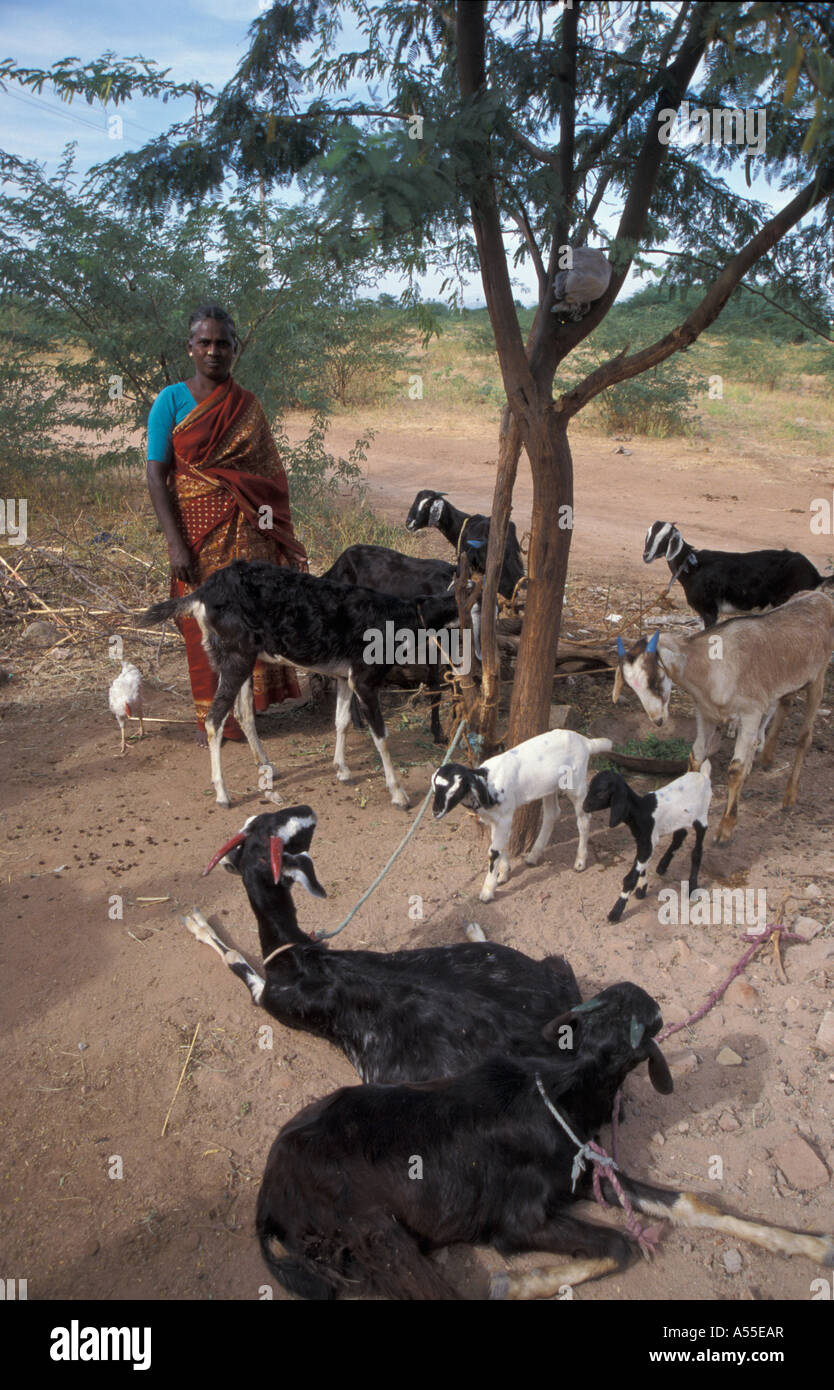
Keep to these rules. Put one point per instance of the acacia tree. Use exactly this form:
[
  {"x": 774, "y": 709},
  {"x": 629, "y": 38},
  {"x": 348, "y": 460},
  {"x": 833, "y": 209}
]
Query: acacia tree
[{"x": 477, "y": 134}]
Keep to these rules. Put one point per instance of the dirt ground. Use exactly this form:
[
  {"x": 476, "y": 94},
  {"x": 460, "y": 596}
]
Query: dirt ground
[{"x": 102, "y": 991}]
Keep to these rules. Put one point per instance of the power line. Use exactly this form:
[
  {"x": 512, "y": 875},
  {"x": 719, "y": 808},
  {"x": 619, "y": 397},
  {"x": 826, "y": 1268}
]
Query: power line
[{"x": 26, "y": 97}]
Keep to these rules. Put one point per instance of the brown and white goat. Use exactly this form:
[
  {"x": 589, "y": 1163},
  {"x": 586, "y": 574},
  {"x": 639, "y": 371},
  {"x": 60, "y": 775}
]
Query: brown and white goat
[{"x": 745, "y": 670}]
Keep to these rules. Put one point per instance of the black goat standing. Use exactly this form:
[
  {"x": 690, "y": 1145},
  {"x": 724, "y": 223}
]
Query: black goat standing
[
  {"x": 467, "y": 533},
  {"x": 727, "y": 581},
  {"x": 400, "y": 1015},
  {"x": 252, "y": 609},
  {"x": 391, "y": 572}
]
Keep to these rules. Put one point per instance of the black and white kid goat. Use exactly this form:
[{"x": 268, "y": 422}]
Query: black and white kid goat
[
  {"x": 469, "y": 533},
  {"x": 399, "y": 1015},
  {"x": 496, "y": 1148},
  {"x": 537, "y": 769},
  {"x": 252, "y": 609},
  {"x": 669, "y": 811},
  {"x": 728, "y": 581}
]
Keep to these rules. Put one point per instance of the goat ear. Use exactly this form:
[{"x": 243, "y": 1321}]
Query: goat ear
[
  {"x": 299, "y": 867},
  {"x": 550, "y": 1031},
  {"x": 618, "y": 685},
  {"x": 659, "y": 1073},
  {"x": 619, "y": 805}
]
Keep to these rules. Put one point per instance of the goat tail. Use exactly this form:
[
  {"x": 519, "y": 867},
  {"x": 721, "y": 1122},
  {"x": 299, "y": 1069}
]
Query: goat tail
[
  {"x": 169, "y": 608},
  {"x": 599, "y": 745},
  {"x": 298, "y": 1275}
]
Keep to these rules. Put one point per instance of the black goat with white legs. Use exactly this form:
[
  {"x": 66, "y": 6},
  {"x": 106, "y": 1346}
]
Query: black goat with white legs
[
  {"x": 252, "y": 609},
  {"x": 467, "y": 533},
  {"x": 390, "y": 572},
  {"x": 360, "y": 1186},
  {"x": 669, "y": 811},
  {"x": 729, "y": 581},
  {"x": 397, "y": 1016}
]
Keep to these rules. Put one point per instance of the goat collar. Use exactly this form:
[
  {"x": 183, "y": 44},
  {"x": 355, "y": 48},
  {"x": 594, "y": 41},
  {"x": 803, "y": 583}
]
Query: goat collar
[
  {"x": 687, "y": 560},
  {"x": 586, "y": 1153}
]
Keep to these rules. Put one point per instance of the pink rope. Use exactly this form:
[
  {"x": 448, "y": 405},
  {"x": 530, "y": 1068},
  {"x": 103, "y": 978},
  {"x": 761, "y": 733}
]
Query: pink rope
[{"x": 759, "y": 938}]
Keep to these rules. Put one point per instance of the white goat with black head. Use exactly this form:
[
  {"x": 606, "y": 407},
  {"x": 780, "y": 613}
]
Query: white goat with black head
[
  {"x": 746, "y": 671},
  {"x": 537, "y": 769}
]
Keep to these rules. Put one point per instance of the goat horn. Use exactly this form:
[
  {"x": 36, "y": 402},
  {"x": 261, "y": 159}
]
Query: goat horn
[
  {"x": 651, "y": 645},
  {"x": 621, "y": 651},
  {"x": 636, "y": 1031},
  {"x": 276, "y": 856},
  {"x": 225, "y": 849}
]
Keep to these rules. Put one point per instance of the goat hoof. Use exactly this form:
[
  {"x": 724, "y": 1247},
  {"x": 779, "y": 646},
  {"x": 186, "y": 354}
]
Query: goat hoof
[
  {"x": 723, "y": 835},
  {"x": 400, "y": 799},
  {"x": 640, "y": 892},
  {"x": 225, "y": 802},
  {"x": 343, "y": 774},
  {"x": 579, "y": 865},
  {"x": 788, "y": 801},
  {"x": 532, "y": 859},
  {"x": 615, "y": 914}
]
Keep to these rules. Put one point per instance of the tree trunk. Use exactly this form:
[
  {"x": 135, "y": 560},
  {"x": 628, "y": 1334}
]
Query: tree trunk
[
  {"x": 509, "y": 449},
  {"x": 547, "y": 568}
]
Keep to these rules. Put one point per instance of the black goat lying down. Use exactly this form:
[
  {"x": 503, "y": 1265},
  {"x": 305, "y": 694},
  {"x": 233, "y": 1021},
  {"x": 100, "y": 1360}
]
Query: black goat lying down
[
  {"x": 397, "y": 1016},
  {"x": 391, "y": 572},
  {"x": 253, "y": 609},
  {"x": 361, "y": 1185}
]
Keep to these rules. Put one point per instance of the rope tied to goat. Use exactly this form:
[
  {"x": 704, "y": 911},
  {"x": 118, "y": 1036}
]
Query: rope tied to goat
[
  {"x": 594, "y": 1154},
  {"x": 326, "y": 935},
  {"x": 772, "y": 931}
]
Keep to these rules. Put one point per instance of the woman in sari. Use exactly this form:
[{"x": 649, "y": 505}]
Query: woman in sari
[{"x": 220, "y": 492}]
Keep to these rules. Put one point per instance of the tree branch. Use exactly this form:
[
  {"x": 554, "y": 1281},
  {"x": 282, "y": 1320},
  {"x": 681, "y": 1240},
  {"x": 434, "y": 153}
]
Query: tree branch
[
  {"x": 604, "y": 138},
  {"x": 486, "y": 222},
  {"x": 621, "y": 368}
]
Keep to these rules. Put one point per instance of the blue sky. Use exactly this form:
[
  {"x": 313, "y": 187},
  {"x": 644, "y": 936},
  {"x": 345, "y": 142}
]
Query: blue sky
[{"x": 201, "y": 40}]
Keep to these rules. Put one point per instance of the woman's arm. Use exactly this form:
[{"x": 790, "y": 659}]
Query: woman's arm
[{"x": 179, "y": 553}]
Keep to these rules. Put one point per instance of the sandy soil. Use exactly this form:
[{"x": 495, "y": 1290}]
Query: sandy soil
[{"x": 99, "y": 1009}]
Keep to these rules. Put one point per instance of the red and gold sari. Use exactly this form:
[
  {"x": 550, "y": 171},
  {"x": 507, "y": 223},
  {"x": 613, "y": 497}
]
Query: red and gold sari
[{"x": 233, "y": 501}]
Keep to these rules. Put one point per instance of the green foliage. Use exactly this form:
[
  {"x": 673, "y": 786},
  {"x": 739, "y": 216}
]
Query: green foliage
[
  {"x": 95, "y": 303},
  {"x": 659, "y": 402},
  {"x": 654, "y": 747},
  {"x": 364, "y": 346}
]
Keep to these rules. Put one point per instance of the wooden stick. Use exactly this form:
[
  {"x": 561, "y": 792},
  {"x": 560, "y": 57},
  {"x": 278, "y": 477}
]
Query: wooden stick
[
  {"x": 179, "y": 1083},
  {"x": 155, "y": 719},
  {"x": 18, "y": 578}
]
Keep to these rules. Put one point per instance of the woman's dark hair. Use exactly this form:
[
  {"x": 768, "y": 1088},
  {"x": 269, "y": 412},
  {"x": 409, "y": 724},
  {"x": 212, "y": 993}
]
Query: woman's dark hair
[{"x": 212, "y": 311}]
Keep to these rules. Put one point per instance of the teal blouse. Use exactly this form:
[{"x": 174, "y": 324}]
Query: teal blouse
[{"x": 170, "y": 407}]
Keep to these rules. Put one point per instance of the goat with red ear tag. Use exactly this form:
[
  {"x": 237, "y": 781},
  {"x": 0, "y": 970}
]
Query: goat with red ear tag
[{"x": 399, "y": 1015}]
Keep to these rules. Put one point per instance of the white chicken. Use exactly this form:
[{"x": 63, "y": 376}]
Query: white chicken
[{"x": 126, "y": 698}]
